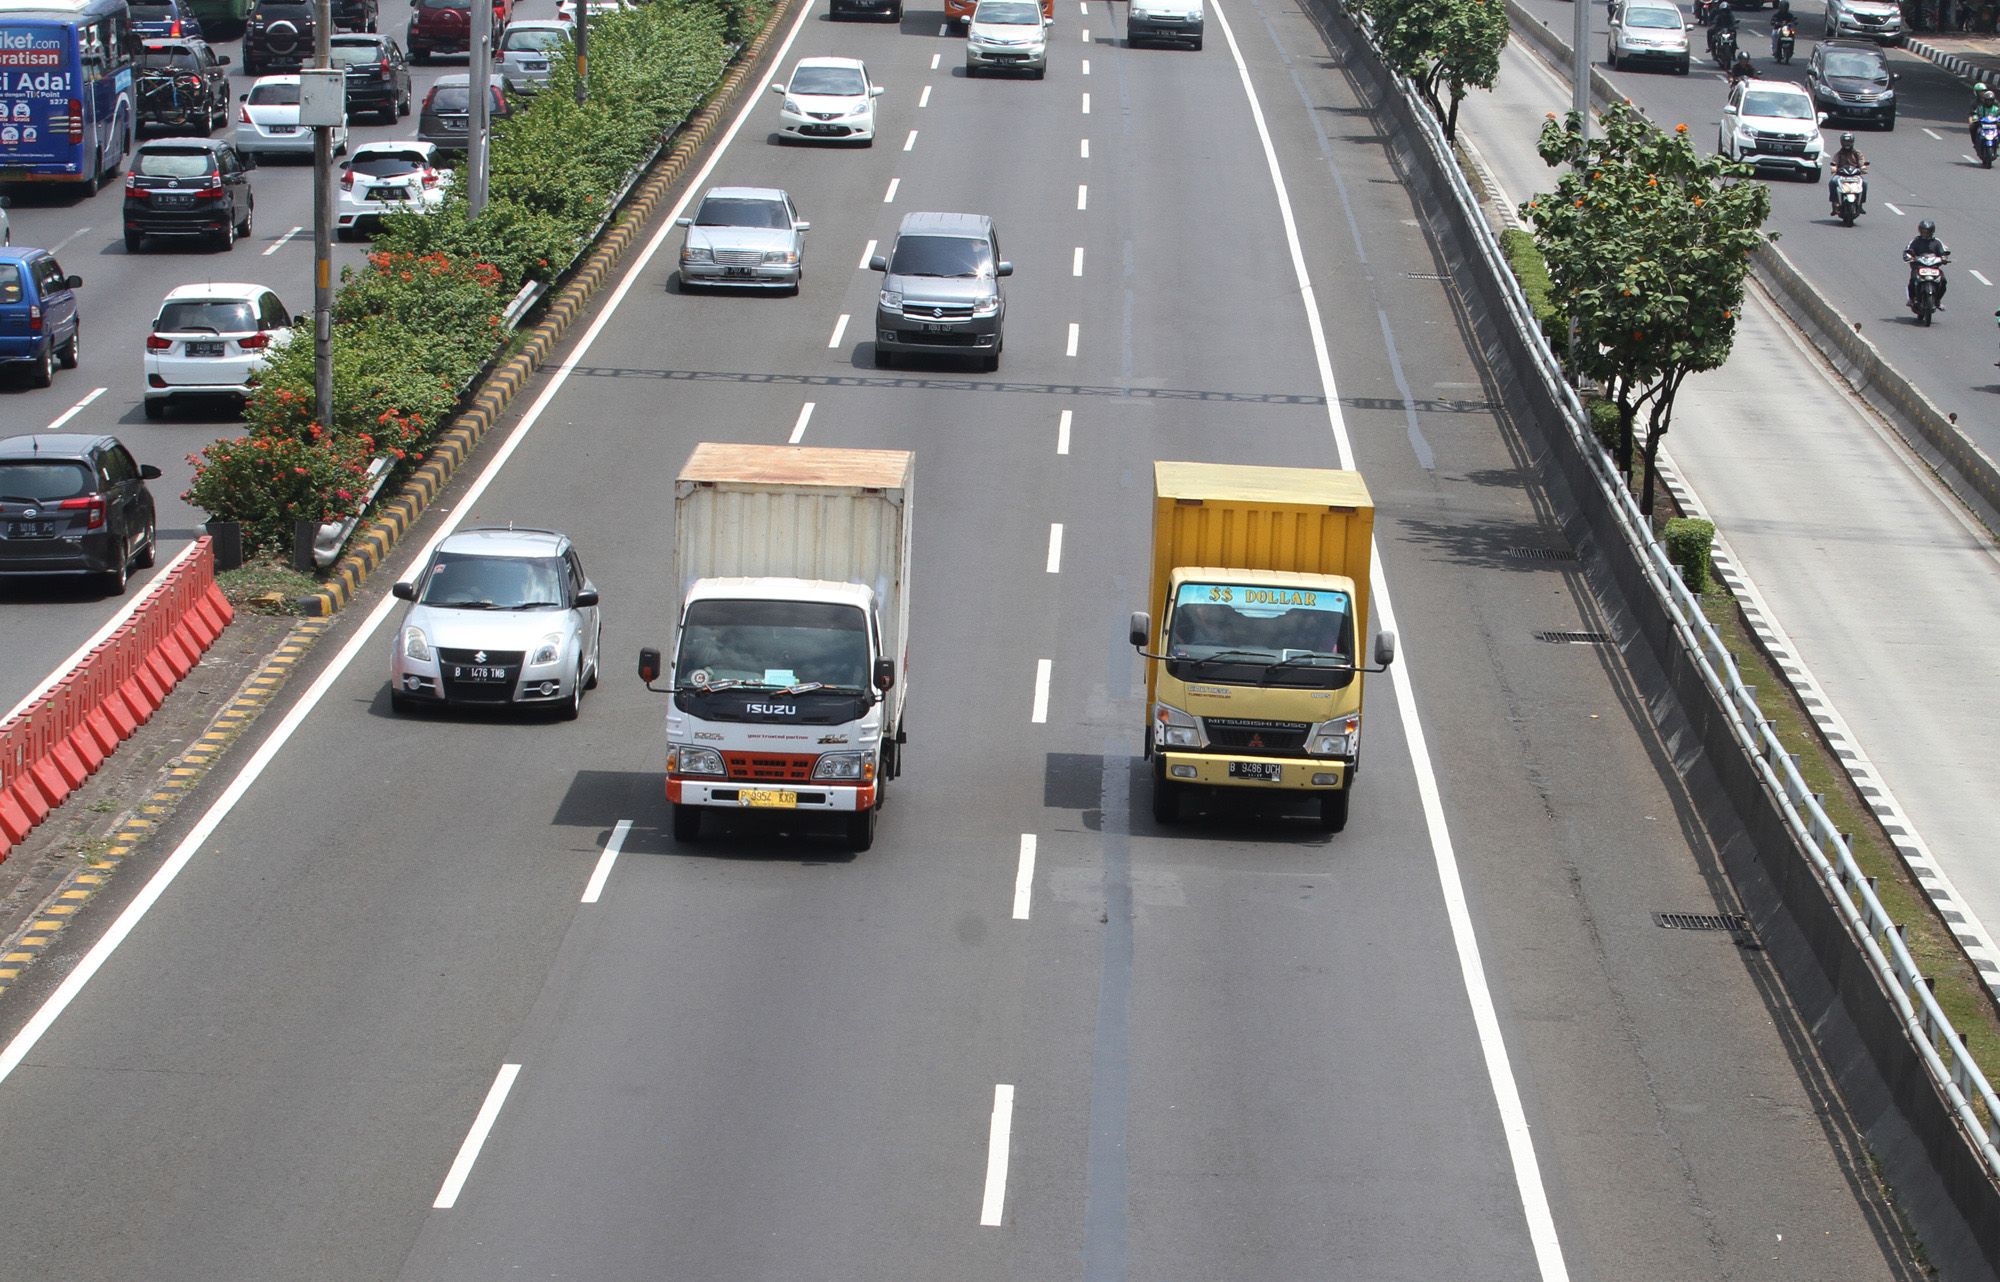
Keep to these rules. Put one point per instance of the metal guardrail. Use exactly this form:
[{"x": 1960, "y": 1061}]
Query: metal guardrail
[{"x": 1950, "y": 1066}]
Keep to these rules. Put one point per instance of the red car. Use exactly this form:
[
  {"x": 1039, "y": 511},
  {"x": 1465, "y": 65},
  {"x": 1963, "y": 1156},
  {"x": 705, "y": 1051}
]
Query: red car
[
  {"x": 445, "y": 26},
  {"x": 960, "y": 11}
]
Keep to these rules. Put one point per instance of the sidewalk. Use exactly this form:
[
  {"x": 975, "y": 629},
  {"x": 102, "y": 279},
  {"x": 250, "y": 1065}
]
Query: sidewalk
[
  {"x": 1974, "y": 57},
  {"x": 1868, "y": 575}
]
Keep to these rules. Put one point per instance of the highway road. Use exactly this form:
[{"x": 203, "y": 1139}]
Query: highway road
[
  {"x": 356, "y": 1020},
  {"x": 43, "y": 621}
]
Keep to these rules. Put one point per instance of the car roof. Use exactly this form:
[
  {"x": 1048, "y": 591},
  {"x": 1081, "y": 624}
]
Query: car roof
[
  {"x": 455, "y": 78},
  {"x": 1777, "y": 86},
  {"x": 20, "y": 253},
  {"x": 1853, "y": 46},
  {"x": 168, "y": 42},
  {"x": 229, "y": 290},
  {"x": 394, "y": 144},
  {"x": 539, "y": 24},
  {"x": 502, "y": 541},
  {"x": 357, "y": 37},
  {"x": 743, "y": 193},
  {"x": 831, "y": 62},
  {"x": 56, "y": 445},
  {"x": 970, "y": 226},
  {"x": 202, "y": 144},
  {"x": 275, "y": 80}
]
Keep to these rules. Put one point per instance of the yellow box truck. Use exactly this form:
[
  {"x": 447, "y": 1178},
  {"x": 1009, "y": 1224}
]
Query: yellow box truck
[{"x": 1260, "y": 589}]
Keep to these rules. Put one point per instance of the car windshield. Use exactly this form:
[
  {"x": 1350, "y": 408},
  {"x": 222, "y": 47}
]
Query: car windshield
[
  {"x": 1788, "y": 106},
  {"x": 168, "y": 58},
  {"x": 778, "y": 644},
  {"x": 274, "y": 95},
  {"x": 174, "y": 162},
  {"x": 451, "y": 98},
  {"x": 33, "y": 481},
  {"x": 152, "y": 13},
  {"x": 1009, "y": 13},
  {"x": 10, "y": 283},
  {"x": 378, "y": 164},
  {"x": 533, "y": 40},
  {"x": 942, "y": 256},
  {"x": 1667, "y": 18},
  {"x": 1275, "y": 635},
  {"x": 459, "y": 582},
  {"x": 1861, "y": 66},
  {"x": 355, "y": 52},
  {"x": 206, "y": 316},
  {"x": 446, "y": 4},
  {"x": 730, "y": 211},
  {"x": 828, "y": 82}
]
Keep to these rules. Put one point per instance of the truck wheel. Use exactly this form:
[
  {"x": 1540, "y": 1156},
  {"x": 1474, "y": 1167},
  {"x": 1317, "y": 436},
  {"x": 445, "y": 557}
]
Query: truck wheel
[
  {"x": 687, "y": 823},
  {"x": 1333, "y": 809},
  {"x": 861, "y": 829},
  {"x": 1166, "y": 795}
]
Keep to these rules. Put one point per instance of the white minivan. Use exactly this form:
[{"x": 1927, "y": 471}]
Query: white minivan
[{"x": 208, "y": 340}]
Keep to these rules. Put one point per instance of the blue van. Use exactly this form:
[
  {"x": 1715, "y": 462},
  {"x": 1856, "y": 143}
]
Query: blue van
[{"x": 38, "y": 318}]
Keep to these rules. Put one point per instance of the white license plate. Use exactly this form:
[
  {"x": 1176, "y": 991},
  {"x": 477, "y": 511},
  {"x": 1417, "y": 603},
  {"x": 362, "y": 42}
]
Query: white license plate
[{"x": 1268, "y": 771}]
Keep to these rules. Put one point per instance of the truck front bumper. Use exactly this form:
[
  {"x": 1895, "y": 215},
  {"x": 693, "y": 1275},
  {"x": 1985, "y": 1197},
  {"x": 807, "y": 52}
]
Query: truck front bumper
[
  {"x": 732, "y": 795},
  {"x": 1293, "y": 773}
]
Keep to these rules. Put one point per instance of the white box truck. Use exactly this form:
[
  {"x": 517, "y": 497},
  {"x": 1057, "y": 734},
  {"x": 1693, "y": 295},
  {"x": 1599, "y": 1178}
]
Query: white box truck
[{"x": 791, "y": 655}]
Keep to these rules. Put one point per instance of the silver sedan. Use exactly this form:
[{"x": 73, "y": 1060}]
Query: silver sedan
[{"x": 744, "y": 237}]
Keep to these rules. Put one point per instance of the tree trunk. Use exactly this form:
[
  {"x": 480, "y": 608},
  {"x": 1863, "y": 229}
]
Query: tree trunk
[
  {"x": 1656, "y": 431},
  {"x": 1451, "y": 121}
]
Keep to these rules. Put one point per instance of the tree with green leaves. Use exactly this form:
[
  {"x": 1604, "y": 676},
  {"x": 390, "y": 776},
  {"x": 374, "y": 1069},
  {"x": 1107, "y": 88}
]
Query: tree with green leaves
[
  {"x": 1647, "y": 242},
  {"x": 1443, "y": 46}
]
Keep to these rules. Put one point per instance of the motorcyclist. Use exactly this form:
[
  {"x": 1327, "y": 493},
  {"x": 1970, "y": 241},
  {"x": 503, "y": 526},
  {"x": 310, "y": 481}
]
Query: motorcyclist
[
  {"x": 1723, "y": 19},
  {"x": 1926, "y": 242},
  {"x": 1742, "y": 68},
  {"x": 1846, "y": 160},
  {"x": 1984, "y": 103},
  {"x": 1781, "y": 17}
]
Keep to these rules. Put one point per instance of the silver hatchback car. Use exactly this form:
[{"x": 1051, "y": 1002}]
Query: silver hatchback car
[
  {"x": 744, "y": 236},
  {"x": 497, "y": 617}
]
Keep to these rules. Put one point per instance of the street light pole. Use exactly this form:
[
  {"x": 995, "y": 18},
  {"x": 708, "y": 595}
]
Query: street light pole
[
  {"x": 582, "y": 51},
  {"x": 323, "y": 232},
  {"x": 1580, "y": 65},
  {"x": 479, "y": 114}
]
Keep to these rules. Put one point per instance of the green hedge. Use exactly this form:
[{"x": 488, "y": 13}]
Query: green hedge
[
  {"x": 1690, "y": 544},
  {"x": 1532, "y": 270},
  {"x": 424, "y": 316}
]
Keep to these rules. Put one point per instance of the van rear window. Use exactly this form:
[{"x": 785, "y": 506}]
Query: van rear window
[
  {"x": 10, "y": 283},
  {"x": 35, "y": 481}
]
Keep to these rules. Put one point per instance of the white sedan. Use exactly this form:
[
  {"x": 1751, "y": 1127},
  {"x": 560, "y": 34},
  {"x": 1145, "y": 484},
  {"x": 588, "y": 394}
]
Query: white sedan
[
  {"x": 209, "y": 339},
  {"x": 267, "y": 120},
  {"x": 828, "y": 98},
  {"x": 388, "y": 177}
]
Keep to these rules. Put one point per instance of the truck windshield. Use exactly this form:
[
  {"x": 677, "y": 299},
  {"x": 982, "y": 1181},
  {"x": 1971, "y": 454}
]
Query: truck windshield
[
  {"x": 776, "y": 644},
  {"x": 1235, "y": 633}
]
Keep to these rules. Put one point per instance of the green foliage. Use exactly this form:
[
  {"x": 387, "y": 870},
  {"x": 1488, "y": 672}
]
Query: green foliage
[
  {"x": 1690, "y": 543},
  {"x": 1448, "y": 45},
  {"x": 1604, "y": 422},
  {"x": 1532, "y": 270}
]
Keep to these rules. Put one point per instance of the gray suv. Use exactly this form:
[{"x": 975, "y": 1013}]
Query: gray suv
[
  {"x": 941, "y": 293},
  {"x": 75, "y": 504}
]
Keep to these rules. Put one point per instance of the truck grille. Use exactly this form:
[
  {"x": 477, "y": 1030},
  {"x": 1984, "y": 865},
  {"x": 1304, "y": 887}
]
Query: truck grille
[
  {"x": 770, "y": 767},
  {"x": 1272, "y": 736}
]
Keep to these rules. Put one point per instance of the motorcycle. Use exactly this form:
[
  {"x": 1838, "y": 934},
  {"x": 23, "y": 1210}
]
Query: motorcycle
[
  {"x": 1929, "y": 270},
  {"x": 1783, "y": 37},
  {"x": 1851, "y": 189},
  {"x": 1986, "y": 139},
  {"x": 1722, "y": 46},
  {"x": 1703, "y": 11}
]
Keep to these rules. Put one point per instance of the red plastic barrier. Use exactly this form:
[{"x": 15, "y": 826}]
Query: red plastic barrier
[{"x": 53, "y": 746}]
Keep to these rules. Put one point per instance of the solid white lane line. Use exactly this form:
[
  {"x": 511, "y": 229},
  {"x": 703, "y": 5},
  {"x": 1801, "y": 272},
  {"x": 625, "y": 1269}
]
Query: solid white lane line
[
  {"x": 1076, "y": 264},
  {"x": 890, "y": 194},
  {"x": 1932, "y": 132},
  {"x": 799, "y": 428},
  {"x": 1055, "y": 547},
  {"x": 475, "y": 1139},
  {"x": 1062, "y": 433},
  {"x": 1041, "y": 712},
  {"x": 839, "y": 328},
  {"x": 934, "y": 60},
  {"x": 1897, "y": 212},
  {"x": 1072, "y": 339},
  {"x": 135, "y": 912},
  {"x": 1024, "y": 877},
  {"x": 924, "y": 98},
  {"x": 63, "y": 244},
  {"x": 75, "y": 409},
  {"x": 1086, "y": 66},
  {"x": 867, "y": 253},
  {"x": 1486, "y": 1020},
  {"x": 911, "y": 141},
  {"x": 1086, "y": 149},
  {"x": 1981, "y": 279},
  {"x": 602, "y": 873},
  {"x": 280, "y": 242},
  {"x": 1082, "y": 195},
  {"x": 997, "y": 1139},
  {"x": 1086, "y": 104}
]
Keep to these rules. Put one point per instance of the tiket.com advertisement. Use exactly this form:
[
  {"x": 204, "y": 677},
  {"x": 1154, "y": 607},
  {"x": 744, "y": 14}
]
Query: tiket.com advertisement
[{"x": 35, "y": 93}]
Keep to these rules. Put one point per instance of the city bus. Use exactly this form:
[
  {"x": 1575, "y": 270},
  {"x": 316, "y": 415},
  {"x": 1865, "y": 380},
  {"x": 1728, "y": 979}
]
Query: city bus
[{"x": 67, "y": 113}]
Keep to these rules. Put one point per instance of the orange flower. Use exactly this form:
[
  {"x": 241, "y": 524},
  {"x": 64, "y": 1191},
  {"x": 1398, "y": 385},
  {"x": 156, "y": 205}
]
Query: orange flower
[{"x": 1680, "y": 129}]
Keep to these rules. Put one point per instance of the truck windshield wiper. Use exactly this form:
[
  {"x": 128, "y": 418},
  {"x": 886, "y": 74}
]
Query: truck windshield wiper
[
  {"x": 1224, "y": 654},
  {"x": 1300, "y": 659}
]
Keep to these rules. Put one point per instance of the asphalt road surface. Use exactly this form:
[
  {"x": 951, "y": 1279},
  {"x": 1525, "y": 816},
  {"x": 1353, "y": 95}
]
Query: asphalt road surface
[{"x": 1448, "y": 1043}]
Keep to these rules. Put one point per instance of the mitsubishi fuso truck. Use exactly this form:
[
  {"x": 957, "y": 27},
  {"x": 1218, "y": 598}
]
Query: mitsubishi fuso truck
[
  {"x": 1260, "y": 588},
  {"x": 790, "y": 654}
]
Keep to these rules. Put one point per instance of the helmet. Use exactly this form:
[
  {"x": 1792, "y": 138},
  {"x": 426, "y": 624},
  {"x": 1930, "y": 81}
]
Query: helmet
[
  {"x": 1847, "y": 140},
  {"x": 1985, "y": 91},
  {"x": 1926, "y": 228}
]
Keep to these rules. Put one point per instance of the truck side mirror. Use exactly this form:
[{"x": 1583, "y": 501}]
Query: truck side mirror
[
  {"x": 404, "y": 592},
  {"x": 1385, "y": 649},
  {"x": 1141, "y": 629},
  {"x": 878, "y": 264},
  {"x": 649, "y": 665},
  {"x": 885, "y": 674}
]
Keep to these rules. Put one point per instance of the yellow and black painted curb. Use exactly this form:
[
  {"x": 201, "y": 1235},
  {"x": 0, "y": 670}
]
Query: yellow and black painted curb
[
  {"x": 456, "y": 445},
  {"x": 38, "y": 934}
]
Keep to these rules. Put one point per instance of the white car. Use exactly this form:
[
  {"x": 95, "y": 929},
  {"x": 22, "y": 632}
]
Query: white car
[
  {"x": 1772, "y": 124},
  {"x": 828, "y": 98},
  {"x": 1007, "y": 35},
  {"x": 1648, "y": 31},
  {"x": 526, "y": 49},
  {"x": 566, "y": 9},
  {"x": 388, "y": 177},
  {"x": 209, "y": 339},
  {"x": 267, "y": 120}
]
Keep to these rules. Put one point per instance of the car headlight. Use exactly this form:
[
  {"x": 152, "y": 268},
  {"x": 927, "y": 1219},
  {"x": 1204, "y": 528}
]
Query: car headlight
[
  {"x": 1173, "y": 728},
  {"x": 858, "y": 766},
  {"x": 987, "y": 306},
  {"x": 1139, "y": 13},
  {"x": 696, "y": 254},
  {"x": 892, "y": 299},
  {"x": 1341, "y": 738},
  {"x": 859, "y": 109},
  {"x": 683, "y": 760},
  {"x": 416, "y": 645},
  {"x": 548, "y": 651},
  {"x": 794, "y": 108},
  {"x": 781, "y": 257}
]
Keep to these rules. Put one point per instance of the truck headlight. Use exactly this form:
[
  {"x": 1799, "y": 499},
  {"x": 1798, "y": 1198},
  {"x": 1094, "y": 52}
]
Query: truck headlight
[
  {"x": 892, "y": 299},
  {"x": 987, "y": 306},
  {"x": 857, "y": 766},
  {"x": 1340, "y": 738},
  {"x": 1173, "y": 728},
  {"x": 416, "y": 645},
  {"x": 547, "y": 651},
  {"x": 683, "y": 760}
]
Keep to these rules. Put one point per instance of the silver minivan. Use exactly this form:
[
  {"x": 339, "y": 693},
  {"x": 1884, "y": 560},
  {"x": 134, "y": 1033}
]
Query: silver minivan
[{"x": 941, "y": 290}]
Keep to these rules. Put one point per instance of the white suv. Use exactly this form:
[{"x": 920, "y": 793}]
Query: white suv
[
  {"x": 1772, "y": 124},
  {"x": 208, "y": 340}
]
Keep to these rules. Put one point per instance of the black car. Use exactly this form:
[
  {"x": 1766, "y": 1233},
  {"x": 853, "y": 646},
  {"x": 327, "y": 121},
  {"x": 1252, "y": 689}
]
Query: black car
[
  {"x": 73, "y": 504},
  {"x": 378, "y": 76},
  {"x": 181, "y": 86},
  {"x": 170, "y": 18},
  {"x": 1851, "y": 80},
  {"x": 279, "y": 36},
  {"x": 356, "y": 15},
  {"x": 447, "y": 109},
  {"x": 188, "y": 187}
]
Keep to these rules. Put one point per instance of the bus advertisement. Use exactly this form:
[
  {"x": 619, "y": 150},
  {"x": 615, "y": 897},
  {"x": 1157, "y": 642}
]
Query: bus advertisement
[{"x": 66, "y": 99}]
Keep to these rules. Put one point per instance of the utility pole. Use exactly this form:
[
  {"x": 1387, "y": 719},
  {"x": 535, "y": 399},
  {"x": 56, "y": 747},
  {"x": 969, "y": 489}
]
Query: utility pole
[
  {"x": 582, "y": 52},
  {"x": 1580, "y": 65},
  {"x": 478, "y": 111},
  {"x": 323, "y": 229}
]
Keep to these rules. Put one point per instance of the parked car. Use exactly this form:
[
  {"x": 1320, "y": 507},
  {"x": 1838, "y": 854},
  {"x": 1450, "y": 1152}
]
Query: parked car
[
  {"x": 504, "y": 617},
  {"x": 1649, "y": 31},
  {"x": 744, "y": 236},
  {"x": 181, "y": 86},
  {"x": 75, "y": 504},
  {"x": 278, "y": 34},
  {"x": 1008, "y": 35},
  {"x": 378, "y": 76},
  {"x": 356, "y": 15},
  {"x": 941, "y": 290},
  {"x": 828, "y": 98},
  {"x": 1772, "y": 124},
  {"x": 39, "y": 324},
  {"x": 170, "y": 18},
  {"x": 1852, "y": 81},
  {"x": 445, "y": 26},
  {"x": 1164, "y": 22},
  {"x": 388, "y": 177},
  {"x": 525, "y": 52},
  {"x": 1878, "y": 20},
  {"x": 445, "y": 116},
  {"x": 208, "y": 340},
  {"x": 267, "y": 121},
  {"x": 188, "y": 187}
]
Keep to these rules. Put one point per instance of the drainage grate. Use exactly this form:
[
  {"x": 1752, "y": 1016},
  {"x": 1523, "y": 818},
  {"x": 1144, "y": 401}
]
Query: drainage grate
[
  {"x": 1701, "y": 921},
  {"x": 1574, "y": 638},
  {"x": 1542, "y": 554},
  {"x": 1427, "y": 275}
]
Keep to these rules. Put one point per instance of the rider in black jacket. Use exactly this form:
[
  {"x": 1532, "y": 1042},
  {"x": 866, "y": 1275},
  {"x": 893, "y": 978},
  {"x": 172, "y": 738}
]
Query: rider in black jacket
[
  {"x": 1925, "y": 243},
  {"x": 1724, "y": 20},
  {"x": 1848, "y": 157}
]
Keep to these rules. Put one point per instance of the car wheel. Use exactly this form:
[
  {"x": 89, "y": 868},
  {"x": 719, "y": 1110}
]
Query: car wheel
[
  {"x": 687, "y": 823},
  {"x": 882, "y": 359},
  {"x": 43, "y": 372},
  {"x": 1333, "y": 810},
  {"x": 340, "y": 148},
  {"x": 156, "y": 409},
  {"x": 574, "y": 704},
  {"x": 403, "y": 107},
  {"x": 896, "y": 14},
  {"x": 1889, "y": 122},
  {"x": 1197, "y": 44},
  {"x": 991, "y": 362},
  {"x": 133, "y": 240},
  {"x": 225, "y": 240},
  {"x": 115, "y": 580},
  {"x": 861, "y": 830},
  {"x": 72, "y": 351},
  {"x": 1040, "y": 72},
  {"x": 401, "y": 703},
  {"x": 970, "y": 71},
  {"x": 151, "y": 554},
  {"x": 1611, "y": 58},
  {"x": 422, "y": 57},
  {"x": 1811, "y": 175},
  {"x": 96, "y": 179}
]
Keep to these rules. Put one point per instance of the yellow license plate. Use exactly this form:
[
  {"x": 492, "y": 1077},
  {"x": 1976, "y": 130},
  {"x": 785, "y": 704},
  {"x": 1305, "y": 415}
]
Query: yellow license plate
[{"x": 767, "y": 797}]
